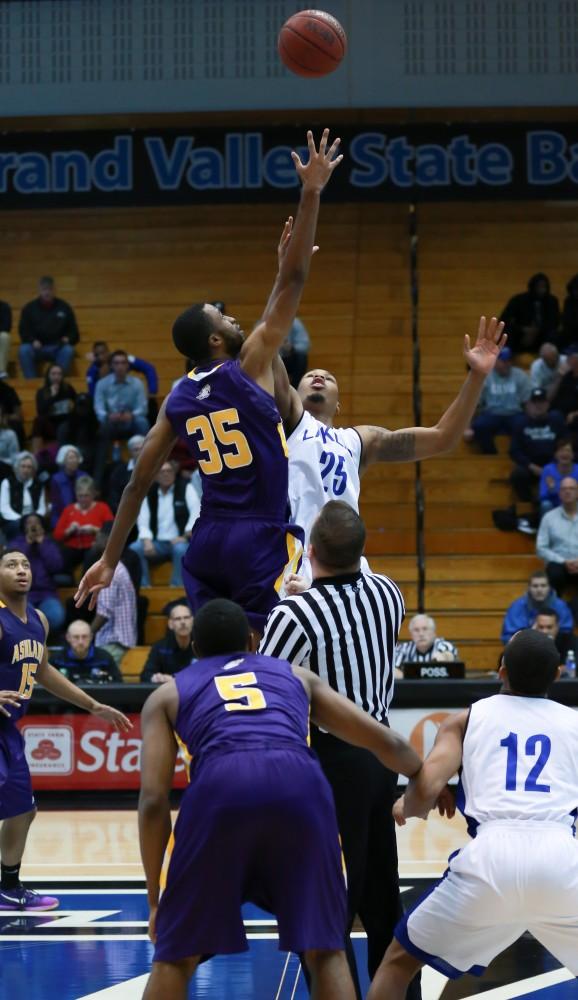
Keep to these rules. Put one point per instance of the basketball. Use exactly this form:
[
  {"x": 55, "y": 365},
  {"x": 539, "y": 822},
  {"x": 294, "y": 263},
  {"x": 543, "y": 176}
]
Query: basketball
[{"x": 312, "y": 43}]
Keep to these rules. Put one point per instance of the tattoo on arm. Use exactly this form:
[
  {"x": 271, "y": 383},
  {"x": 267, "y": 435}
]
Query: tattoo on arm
[{"x": 393, "y": 446}]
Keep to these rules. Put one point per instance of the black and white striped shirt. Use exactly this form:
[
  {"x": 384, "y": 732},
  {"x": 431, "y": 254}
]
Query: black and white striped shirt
[
  {"x": 407, "y": 652},
  {"x": 344, "y": 629}
]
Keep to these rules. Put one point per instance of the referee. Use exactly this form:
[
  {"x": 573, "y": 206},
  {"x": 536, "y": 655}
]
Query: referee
[{"x": 345, "y": 629}]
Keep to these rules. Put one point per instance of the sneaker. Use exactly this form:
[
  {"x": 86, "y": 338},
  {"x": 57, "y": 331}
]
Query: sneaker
[
  {"x": 525, "y": 527},
  {"x": 26, "y": 899}
]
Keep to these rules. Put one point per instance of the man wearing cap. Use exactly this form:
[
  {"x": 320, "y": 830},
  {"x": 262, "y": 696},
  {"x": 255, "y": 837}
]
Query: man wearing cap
[
  {"x": 566, "y": 398},
  {"x": 505, "y": 392},
  {"x": 534, "y": 438}
]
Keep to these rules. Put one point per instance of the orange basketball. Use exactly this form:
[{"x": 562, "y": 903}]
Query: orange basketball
[{"x": 312, "y": 43}]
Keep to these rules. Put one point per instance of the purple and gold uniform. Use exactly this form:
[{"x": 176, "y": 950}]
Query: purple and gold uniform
[
  {"x": 21, "y": 652},
  {"x": 242, "y": 544},
  {"x": 257, "y": 822}
]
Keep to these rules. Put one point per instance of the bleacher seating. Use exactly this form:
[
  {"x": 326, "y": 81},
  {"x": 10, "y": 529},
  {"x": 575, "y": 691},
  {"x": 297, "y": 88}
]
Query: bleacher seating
[{"x": 128, "y": 272}]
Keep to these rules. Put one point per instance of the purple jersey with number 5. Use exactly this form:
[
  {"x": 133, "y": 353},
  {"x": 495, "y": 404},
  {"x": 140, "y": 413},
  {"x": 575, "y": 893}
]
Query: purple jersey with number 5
[
  {"x": 233, "y": 429},
  {"x": 242, "y": 701}
]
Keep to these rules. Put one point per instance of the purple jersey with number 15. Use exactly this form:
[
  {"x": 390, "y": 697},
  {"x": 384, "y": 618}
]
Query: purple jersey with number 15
[{"x": 233, "y": 429}]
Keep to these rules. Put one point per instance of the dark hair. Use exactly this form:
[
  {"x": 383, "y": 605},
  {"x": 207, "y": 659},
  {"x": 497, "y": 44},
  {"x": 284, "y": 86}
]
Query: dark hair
[
  {"x": 53, "y": 364},
  {"x": 118, "y": 354},
  {"x": 536, "y": 278},
  {"x": 562, "y": 442},
  {"x": 13, "y": 550},
  {"x": 191, "y": 332},
  {"x": 550, "y": 613},
  {"x": 46, "y": 280},
  {"x": 531, "y": 660},
  {"x": 338, "y": 535},
  {"x": 220, "y": 627},
  {"x": 24, "y": 520},
  {"x": 100, "y": 343},
  {"x": 538, "y": 574}
]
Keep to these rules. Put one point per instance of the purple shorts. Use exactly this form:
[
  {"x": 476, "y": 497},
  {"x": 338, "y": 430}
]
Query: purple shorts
[
  {"x": 254, "y": 826},
  {"x": 243, "y": 559},
  {"x": 16, "y": 795}
]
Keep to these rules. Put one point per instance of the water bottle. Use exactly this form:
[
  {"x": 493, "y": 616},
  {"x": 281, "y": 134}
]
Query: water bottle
[{"x": 571, "y": 665}]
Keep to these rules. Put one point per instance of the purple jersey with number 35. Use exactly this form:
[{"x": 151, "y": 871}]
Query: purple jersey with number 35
[{"x": 233, "y": 429}]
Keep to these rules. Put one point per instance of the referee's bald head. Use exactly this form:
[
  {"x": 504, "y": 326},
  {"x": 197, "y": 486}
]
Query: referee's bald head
[{"x": 337, "y": 537}]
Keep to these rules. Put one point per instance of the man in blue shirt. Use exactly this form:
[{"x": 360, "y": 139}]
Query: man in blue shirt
[
  {"x": 120, "y": 405},
  {"x": 539, "y": 597},
  {"x": 100, "y": 367},
  {"x": 82, "y": 661},
  {"x": 533, "y": 443}
]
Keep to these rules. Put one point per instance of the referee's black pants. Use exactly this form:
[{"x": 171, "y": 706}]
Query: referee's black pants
[{"x": 364, "y": 793}]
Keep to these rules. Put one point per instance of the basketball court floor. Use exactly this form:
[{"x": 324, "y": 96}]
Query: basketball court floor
[{"x": 95, "y": 947}]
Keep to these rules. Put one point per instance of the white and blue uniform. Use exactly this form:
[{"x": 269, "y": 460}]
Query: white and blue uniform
[
  {"x": 323, "y": 465},
  {"x": 519, "y": 793}
]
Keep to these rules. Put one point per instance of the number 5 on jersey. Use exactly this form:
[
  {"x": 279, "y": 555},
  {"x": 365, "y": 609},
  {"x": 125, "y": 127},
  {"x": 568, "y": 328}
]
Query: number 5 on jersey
[
  {"x": 240, "y": 692},
  {"x": 220, "y": 428}
]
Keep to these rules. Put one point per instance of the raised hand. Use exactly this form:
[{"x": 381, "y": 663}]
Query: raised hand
[
  {"x": 490, "y": 341},
  {"x": 285, "y": 240},
  {"x": 316, "y": 172},
  {"x": 95, "y": 579}
]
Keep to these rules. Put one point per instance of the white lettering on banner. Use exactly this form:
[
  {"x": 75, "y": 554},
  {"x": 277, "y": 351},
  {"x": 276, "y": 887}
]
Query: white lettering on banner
[{"x": 110, "y": 752}]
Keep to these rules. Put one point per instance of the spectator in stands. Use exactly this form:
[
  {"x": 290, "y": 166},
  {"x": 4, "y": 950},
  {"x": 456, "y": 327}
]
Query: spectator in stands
[
  {"x": 63, "y": 482},
  {"x": 424, "y": 646},
  {"x": 82, "y": 661},
  {"x": 539, "y": 597},
  {"x": 80, "y": 522},
  {"x": 174, "y": 652},
  {"x": 295, "y": 351},
  {"x": 46, "y": 563},
  {"x": 533, "y": 443},
  {"x": 5, "y": 329},
  {"x": 553, "y": 473},
  {"x": 557, "y": 541},
  {"x": 12, "y": 409},
  {"x": 100, "y": 365},
  {"x": 165, "y": 523},
  {"x": 9, "y": 445},
  {"x": 547, "y": 370},
  {"x": 55, "y": 403},
  {"x": 505, "y": 392},
  {"x": 565, "y": 398},
  {"x": 532, "y": 317},
  {"x": 569, "y": 333},
  {"x": 21, "y": 493},
  {"x": 115, "y": 622},
  {"x": 119, "y": 472},
  {"x": 548, "y": 622},
  {"x": 48, "y": 331},
  {"x": 120, "y": 405}
]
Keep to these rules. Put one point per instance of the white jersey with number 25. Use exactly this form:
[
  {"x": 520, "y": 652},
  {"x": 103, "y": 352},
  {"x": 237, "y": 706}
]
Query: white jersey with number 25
[
  {"x": 323, "y": 466},
  {"x": 520, "y": 762}
]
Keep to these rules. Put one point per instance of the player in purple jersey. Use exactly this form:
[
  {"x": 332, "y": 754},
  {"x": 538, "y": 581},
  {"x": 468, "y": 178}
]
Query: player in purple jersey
[
  {"x": 268, "y": 830},
  {"x": 23, "y": 663},
  {"x": 242, "y": 545}
]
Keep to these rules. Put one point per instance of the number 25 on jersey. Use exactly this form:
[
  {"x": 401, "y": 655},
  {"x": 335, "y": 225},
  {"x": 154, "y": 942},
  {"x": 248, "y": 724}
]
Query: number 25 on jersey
[{"x": 218, "y": 431}]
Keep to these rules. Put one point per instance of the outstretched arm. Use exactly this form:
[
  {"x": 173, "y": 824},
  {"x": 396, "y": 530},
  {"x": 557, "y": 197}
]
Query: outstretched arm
[
  {"x": 444, "y": 761},
  {"x": 264, "y": 342},
  {"x": 345, "y": 720},
  {"x": 158, "y": 444},
  {"x": 59, "y": 685},
  {"x": 414, "y": 443}
]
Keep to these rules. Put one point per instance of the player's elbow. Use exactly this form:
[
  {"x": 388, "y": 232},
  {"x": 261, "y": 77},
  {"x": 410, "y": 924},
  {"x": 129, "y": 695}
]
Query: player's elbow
[{"x": 153, "y": 802}]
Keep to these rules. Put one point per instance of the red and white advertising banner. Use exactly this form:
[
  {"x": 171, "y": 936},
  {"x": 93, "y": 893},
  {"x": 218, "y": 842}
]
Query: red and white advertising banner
[{"x": 80, "y": 751}]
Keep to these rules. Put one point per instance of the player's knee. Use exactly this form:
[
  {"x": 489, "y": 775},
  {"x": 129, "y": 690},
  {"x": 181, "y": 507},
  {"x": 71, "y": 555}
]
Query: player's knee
[{"x": 316, "y": 958}]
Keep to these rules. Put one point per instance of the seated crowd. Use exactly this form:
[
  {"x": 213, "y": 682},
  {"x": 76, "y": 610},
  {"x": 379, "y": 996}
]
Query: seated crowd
[{"x": 62, "y": 477}]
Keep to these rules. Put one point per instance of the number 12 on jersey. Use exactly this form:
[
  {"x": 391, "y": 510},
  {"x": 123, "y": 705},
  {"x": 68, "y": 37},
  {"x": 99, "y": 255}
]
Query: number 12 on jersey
[{"x": 531, "y": 783}]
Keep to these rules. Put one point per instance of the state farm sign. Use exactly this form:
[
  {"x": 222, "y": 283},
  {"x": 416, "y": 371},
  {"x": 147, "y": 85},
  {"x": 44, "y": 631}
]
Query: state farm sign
[{"x": 80, "y": 751}]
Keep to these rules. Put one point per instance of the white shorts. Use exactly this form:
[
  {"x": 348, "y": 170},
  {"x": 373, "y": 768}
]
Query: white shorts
[{"x": 514, "y": 877}]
